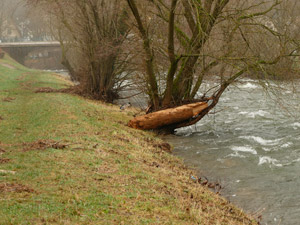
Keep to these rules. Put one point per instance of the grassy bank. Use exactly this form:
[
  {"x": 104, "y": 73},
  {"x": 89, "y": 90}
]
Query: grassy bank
[{"x": 68, "y": 160}]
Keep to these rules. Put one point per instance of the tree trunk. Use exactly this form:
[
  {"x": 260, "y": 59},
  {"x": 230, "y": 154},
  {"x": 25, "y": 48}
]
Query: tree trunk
[
  {"x": 153, "y": 87},
  {"x": 167, "y": 117}
]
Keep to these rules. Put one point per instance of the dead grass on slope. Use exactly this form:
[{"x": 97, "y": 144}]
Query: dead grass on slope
[
  {"x": 3, "y": 160},
  {"x": 166, "y": 178},
  {"x": 18, "y": 188},
  {"x": 8, "y": 99},
  {"x": 43, "y": 144},
  {"x": 45, "y": 90}
]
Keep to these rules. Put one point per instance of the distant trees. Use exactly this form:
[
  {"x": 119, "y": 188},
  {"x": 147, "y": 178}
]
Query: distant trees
[
  {"x": 2, "y": 18},
  {"x": 92, "y": 34},
  {"x": 34, "y": 24},
  {"x": 18, "y": 23},
  {"x": 7, "y": 23}
]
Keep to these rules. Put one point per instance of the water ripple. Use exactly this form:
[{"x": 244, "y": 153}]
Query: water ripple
[{"x": 262, "y": 141}]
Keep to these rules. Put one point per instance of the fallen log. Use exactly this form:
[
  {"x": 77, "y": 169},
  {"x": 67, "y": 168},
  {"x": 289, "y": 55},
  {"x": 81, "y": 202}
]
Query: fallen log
[{"x": 167, "y": 117}]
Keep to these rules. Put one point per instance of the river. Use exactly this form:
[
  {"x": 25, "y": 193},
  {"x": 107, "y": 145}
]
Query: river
[{"x": 252, "y": 147}]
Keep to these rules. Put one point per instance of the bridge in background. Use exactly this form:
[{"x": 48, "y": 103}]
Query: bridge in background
[
  {"x": 30, "y": 44},
  {"x": 38, "y": 55}
]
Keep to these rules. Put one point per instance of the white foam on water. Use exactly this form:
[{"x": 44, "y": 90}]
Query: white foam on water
[
  {"x": 296, "y": 160},
  {"x": 236, "y": 155},
  {"x": 261, "y": 113},
  {"x": 258, "y": 113},
  {"x": 266, "y": 149},
  {"x": 286, "y": 145},
  {"x": 268, "y": 160},
  {"x": 262, "y": 141},
  {"x": 249, "y": 85},
  {"x": 296, "y": 125},
  {"x": 245, "y": 79},
  {"x": 247, "y": 149}
]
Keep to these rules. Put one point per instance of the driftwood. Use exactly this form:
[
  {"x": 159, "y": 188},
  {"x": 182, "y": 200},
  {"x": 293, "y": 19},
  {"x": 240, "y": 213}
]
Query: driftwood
[{"x": 167, "y": 117}]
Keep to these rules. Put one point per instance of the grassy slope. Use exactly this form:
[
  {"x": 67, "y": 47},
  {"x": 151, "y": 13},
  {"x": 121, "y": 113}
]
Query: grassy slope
[{"x": 108, "y": 174}]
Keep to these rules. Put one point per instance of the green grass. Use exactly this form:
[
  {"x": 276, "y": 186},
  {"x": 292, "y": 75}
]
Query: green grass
[{"x": 107, "y": 174}]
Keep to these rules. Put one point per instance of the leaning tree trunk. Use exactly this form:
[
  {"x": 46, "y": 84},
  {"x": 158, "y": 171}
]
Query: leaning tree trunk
[{"x": 164, "y": 118}]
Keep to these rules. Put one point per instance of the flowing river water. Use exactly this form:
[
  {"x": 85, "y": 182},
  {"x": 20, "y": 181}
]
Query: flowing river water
[{"x": 252, "y": 147}]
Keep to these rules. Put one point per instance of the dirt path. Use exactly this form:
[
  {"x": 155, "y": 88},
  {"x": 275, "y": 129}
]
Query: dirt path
[{"x": 7, "y": 65}]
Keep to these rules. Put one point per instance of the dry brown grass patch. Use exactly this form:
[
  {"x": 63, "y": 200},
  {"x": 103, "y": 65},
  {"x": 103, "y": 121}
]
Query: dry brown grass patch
[
  {"x": 18, "y": 188},
  {"x": 45, "y": 90},
  {"x": 164, "y": 146},
  {"x": 106, "y": 168},
  {"x": 8, "y": 99},
  {"x": 1, "y": 150},
  {"x": 5, "y": 64},
  {"x": 2, "y": 161},
  {"x": 43, "y": 144},
  {"x": 21, "y": 78},
  {"x": 27, "y": 85}
]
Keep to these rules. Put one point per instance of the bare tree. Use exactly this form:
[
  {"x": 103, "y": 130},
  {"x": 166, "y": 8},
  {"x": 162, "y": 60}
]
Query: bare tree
[
  {"x": 7, "y": 20},
  {"x": 92, "y": 34},
  {"x": 197, "y": 39}
]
